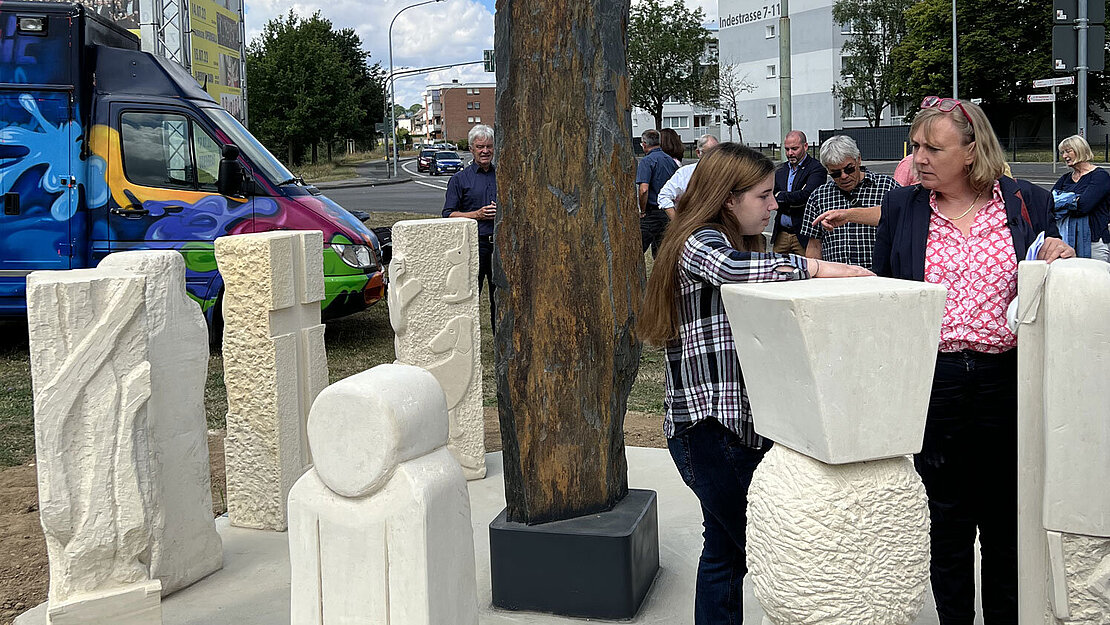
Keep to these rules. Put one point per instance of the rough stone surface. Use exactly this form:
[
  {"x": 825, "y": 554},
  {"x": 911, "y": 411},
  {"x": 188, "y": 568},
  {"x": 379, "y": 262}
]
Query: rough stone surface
[
  {"x": 185, "y": 544},
  {"x": 274, "y": 366},
  {"x": 838, "y": 544},
  {"x": 1087, "y": 569},
  {"x": 568, "y": 265},
  {"x": 433, "y": 307},
  {"x": 380, "y": 529},
  {"x": 843, "y": 369},
  {"x": 92, "y": 381}
]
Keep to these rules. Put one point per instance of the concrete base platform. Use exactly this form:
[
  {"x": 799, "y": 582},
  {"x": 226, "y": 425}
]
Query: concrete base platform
[{"x": 253, "y": 586}]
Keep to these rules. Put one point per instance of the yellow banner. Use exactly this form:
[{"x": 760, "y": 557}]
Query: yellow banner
[{"x": 217, "y": 50}]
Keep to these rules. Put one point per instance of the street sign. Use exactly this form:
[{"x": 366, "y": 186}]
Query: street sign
[
  {"x": 1065, "y": 11},
  {"x": 1054, "y": 82},
  {"x": 1041, "y": 97},
  {"x": 488, "y": 61},
  {"x": 1065, "y": 49}
]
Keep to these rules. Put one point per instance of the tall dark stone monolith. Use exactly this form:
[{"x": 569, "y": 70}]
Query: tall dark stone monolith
[{"x": 568, "y": 266}]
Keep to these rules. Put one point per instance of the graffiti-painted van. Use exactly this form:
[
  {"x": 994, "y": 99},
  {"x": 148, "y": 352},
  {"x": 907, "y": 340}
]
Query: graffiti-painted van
[{"x": 106, "y": 148}]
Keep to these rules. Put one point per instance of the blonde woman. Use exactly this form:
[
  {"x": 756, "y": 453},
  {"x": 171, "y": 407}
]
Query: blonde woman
[
  {"x": 716, "y": 238},
  {"x": 1089, "y": 208}
]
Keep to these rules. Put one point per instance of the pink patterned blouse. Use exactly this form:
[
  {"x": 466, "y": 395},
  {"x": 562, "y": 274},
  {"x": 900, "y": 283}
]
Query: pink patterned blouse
[{"x": 980, "y": 272}]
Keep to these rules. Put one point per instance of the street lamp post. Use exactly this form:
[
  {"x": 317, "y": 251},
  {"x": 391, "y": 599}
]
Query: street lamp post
[
  {"x": 392, "y": 84},
  {"x": 955, "y": 75}
]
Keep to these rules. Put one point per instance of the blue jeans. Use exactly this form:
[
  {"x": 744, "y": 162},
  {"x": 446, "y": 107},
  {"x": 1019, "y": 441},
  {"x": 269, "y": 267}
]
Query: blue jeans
[{"x": 718, "y": 468}]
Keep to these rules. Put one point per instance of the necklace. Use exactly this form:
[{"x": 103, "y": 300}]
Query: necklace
[{"x": 973, "y": 203}]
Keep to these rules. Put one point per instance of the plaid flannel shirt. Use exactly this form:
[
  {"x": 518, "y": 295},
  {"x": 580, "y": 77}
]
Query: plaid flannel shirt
[
  {"x": 703, "y": 377},
  {"x": 851, "y": 243}
]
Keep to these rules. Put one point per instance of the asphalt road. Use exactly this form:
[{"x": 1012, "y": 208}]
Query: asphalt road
[{"x": 423, "y": 195}]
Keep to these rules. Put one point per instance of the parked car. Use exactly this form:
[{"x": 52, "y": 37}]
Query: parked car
[
  {"x": 446, "y": 162},
  {"x": 450, "y": 146},
  {"x": 424, "y": 161}
]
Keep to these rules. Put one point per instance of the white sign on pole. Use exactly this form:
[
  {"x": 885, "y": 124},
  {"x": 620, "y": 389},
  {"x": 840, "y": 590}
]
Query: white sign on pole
[
  {"x": 1041, "y": 97},
  {"x": 1054, "y": 82}
]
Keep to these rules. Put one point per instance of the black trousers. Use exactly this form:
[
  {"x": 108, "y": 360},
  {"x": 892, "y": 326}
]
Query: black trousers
[
  {"x": 652, "y": 227},
  {"x": 968, "y": 463},
  {"x": 485, "y": 273}
]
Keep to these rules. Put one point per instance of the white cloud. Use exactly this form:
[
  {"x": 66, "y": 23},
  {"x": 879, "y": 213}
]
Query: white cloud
[{"x": 441, "y": 33}]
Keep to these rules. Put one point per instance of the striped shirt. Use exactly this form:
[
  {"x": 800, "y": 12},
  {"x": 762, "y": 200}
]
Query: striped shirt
[
  {"x": 703, "y": 377},
  {"x": 852, "y": 242}
]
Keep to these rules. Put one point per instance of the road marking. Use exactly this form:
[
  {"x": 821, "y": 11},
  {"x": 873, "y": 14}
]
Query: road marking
[{"x": 428, "y": 184}]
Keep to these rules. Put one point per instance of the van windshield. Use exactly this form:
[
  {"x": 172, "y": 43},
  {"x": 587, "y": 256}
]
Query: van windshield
[{"x": 255, "y": 152}]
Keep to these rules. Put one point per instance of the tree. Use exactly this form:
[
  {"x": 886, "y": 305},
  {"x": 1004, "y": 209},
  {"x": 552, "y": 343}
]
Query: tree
[
  {"x": 730, "y": 84},
  {"x": 310, "y": 85},
  {"x": 666, "y": 49},
  {"x": 1003, "y": 47},
  {"x": 866, "y": 76}
]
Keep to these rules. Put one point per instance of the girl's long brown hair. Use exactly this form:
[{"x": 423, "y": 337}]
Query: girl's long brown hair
[{"x": 728, "y": 167}]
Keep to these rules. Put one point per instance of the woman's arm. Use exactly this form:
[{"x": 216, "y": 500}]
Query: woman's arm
[
  {"x": 708, "y": 256},
  {"x": 1094, "y": 193}
]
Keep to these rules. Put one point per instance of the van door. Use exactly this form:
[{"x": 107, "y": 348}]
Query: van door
[
  {"x": 37, "y": 145},
  {"x": 163, "y": 167}
]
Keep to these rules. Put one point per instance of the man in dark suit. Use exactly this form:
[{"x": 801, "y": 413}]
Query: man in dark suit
[{"x": 795, "y": 180}]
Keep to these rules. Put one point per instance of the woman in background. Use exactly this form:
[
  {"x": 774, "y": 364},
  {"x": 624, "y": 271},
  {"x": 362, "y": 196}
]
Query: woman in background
[
  {"x": 716, "y": 238},
  {"x": 672, "y": 145},
  {"x": 1088, "y": 210}
]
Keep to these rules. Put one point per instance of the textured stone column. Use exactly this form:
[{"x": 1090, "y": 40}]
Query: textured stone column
[
  {"x": 186, "y": 546},
  {"x": 96, "y": 479},
  {"x": 433, "y": 307},
  {"x": 1063, "y": 501},
  {"x": 567, "y": 265},
  {"x": 274, "y": 366},
  {"x": 838, "y": 373},
  {"x": 379, "y": 528}
]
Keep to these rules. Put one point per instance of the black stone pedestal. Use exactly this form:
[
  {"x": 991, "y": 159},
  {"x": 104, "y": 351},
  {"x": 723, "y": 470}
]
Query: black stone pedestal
[{"x": 594, "y": 566}]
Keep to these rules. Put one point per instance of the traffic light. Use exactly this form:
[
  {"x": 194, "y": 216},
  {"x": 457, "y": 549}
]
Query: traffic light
[{"x": 487, "y": 60}]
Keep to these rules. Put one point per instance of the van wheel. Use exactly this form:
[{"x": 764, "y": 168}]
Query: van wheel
[{"x": 216, "y": 324}]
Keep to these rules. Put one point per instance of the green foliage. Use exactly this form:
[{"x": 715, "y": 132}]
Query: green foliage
[
  {"x": 1003, "y": 47},
  {"x": 311, "y": 84},
  {"x": 666, "y": 46},
  {"x": 866, "y": 76}
]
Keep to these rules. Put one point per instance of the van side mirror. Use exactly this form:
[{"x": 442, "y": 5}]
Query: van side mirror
[{"x": 231, "y": 172}]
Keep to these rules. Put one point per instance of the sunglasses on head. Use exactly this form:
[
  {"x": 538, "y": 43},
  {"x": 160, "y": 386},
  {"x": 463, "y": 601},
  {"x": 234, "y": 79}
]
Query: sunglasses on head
[
  {"x": 946, "y": 105},
  {"x": 848, "y": 169}
]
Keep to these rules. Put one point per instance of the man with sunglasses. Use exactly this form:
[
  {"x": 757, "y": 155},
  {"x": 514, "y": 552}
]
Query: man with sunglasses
[{"x": 851, "y": 187}]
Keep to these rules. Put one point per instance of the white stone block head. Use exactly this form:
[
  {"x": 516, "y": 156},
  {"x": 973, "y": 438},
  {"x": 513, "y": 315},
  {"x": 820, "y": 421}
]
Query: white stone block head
[
  {"x": 838, "y": 369},
  {"x": 1076, "y": 379},
  {"x": 360, "y": 428}
]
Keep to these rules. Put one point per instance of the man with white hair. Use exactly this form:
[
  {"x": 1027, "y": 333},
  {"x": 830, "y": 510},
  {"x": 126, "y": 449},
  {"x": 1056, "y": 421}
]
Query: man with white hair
[
  {"x": 472, "y": 193},
  {"x": 676, "y": 186},
  {"x": 851, "y": 187}
]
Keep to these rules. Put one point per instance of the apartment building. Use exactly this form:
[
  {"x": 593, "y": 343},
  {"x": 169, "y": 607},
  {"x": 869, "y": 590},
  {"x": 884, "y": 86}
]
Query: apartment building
[{"x": 452, "y": 109}]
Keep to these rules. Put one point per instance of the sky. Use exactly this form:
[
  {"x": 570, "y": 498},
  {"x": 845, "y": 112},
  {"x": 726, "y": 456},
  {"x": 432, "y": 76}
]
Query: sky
[{"x": 439, "y": 33}]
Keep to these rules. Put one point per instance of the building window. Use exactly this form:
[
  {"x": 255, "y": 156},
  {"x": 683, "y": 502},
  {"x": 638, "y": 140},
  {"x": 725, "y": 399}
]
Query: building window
[
  {"x": 769, "y": 33},
  {"x": 701, "y": 121},
  {"x": 772, "y": 110},
  {"x": 848, "y": 28},
  {"x": 672, "y": 100},
  {"x": 470, "y": 120},
  {"x": 477, "y": 120},
  {"x": 853, "y": 110},
  {"x": 476, "y": 90},
  {"x": 772, "y": 71},
  {"x": 477, "y": 105},
  {"x": 469, "y": 105},
  {"x": 680, "y": 121}
]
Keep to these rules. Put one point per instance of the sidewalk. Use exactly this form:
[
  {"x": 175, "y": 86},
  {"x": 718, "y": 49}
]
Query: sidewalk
[{"x": 370, "y": 174}]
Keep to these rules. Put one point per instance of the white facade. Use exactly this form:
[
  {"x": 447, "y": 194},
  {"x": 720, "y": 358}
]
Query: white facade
[
  {"x": 749, "y": 37},
  {"x": 689, "y": 121}
]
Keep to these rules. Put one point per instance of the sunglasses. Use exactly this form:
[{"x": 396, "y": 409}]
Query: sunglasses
[
  {"x": 946, "y": 105},
  {"x": 849, "y": 169}
]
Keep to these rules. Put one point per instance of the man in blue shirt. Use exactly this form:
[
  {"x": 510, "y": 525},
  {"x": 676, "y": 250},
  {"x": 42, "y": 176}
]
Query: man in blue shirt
[
  {"x": 795, "y": 180},
  {"x": 654, "y": 170},
  {"x": 472, "y": 193}
]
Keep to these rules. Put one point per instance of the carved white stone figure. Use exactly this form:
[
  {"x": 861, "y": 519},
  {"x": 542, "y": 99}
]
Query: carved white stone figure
[
  {"x": 436, "y": 322},
  {"x": 1063, "y": 442},
  {"x": 96, "y": 476},
  {"x": 274, "y": 366},
  {"x": 185, "y": 544},
  {"x": 838, "y": 373},
  {"x": 379, "y": 528}
]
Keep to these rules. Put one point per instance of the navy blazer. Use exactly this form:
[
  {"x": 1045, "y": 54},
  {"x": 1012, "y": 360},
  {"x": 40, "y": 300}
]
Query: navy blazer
[
  {"x": 904, "y": 226},
  {"x": 811, "y": 174}
]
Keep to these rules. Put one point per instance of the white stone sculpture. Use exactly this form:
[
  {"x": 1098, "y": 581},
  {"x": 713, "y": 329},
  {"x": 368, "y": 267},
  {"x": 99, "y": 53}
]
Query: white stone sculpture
[
  {"x": 838, "y": 373},
  {"x": 433, "y": 306},
  {"x": 379, "y": 528},
  {"x": 1063, "y": 442},
  {"x": 274, "y": 366},
  {"x": 186, "y": 546},
  {"x": 96, "y": 475}
]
